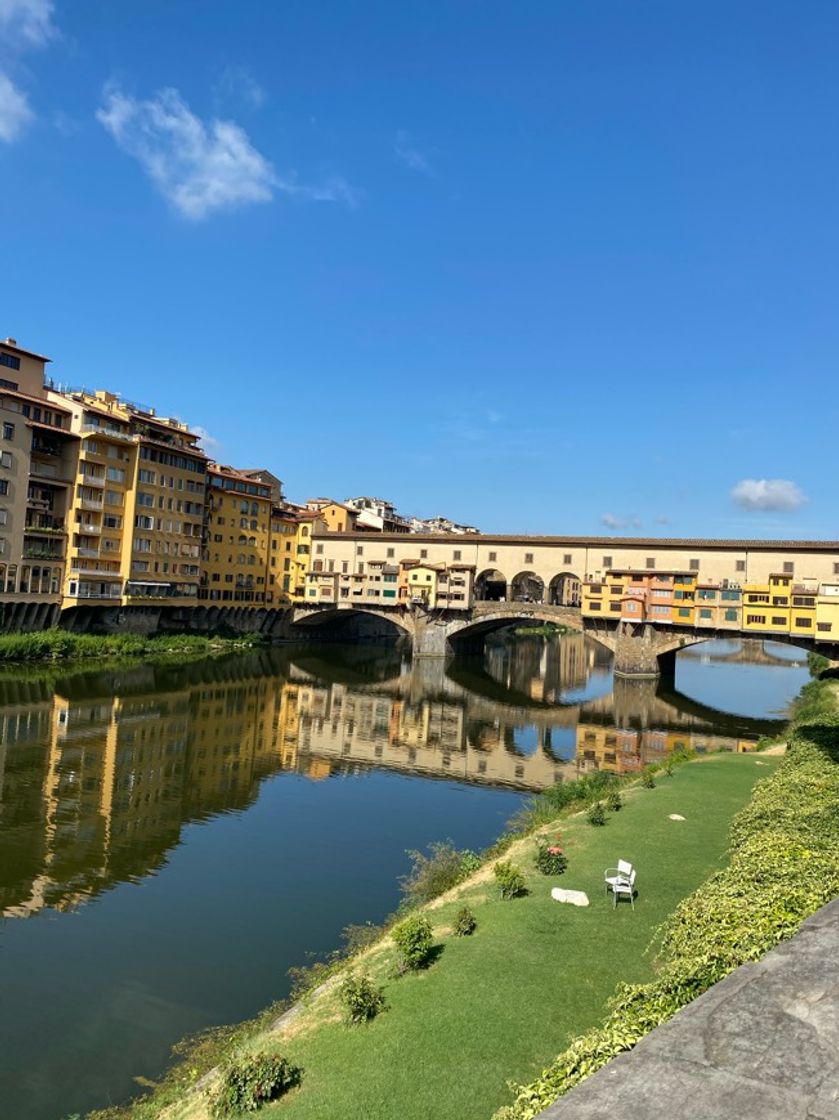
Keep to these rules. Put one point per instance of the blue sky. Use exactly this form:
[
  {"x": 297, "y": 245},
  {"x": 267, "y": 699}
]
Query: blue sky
[{"x": 545, "y": 267}]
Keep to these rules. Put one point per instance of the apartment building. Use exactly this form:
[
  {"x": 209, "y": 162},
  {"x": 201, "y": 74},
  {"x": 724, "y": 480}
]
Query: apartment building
[
  {"x": 237, "y": 538},
  {"x": 38, "y": 453},
  {"x": 137, "y": 504}
]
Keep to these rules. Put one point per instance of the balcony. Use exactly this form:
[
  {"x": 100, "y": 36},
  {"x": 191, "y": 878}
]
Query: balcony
[
  {"x": 107, "y": 433},
  {"x": 113, "y": 592},
  {"x": 47, "y": 471},
  {"x": 81, "y": 568},
  {"x": 88, "y": 528},
  {"x": 90, "y": 504},
  {"x": 45, "y": 530},
  {"x": 93, "y": 480},
  {"x": 89, "y": 553},
  {"x": 41, "y": 554}
]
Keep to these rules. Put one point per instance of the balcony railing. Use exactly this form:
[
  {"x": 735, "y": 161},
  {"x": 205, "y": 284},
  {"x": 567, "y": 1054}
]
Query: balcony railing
[
  {"x": 88, "y": 593},
  {"x": 45, "y": 530},
  {"x": 89, "y": 553},
  {"x": 93, "y": 480},
  {"x": 88, "y": 527},
  {"x": 89, "y": 570},
  {"x": 107, "y": 433},
  {"x": 41, "y": 554},
  {"x": 89, "y": 503},
  {"x": 46, "y": 470}
]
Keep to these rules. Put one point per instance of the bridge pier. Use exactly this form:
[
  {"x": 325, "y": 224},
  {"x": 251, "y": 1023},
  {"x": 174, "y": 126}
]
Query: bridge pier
[{"x": 640, "y": 651}]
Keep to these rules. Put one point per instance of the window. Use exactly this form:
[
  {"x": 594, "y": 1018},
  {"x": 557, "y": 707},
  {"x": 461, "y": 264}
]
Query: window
[
  {"x": 757, "y": 619},
  {"x": 730, "y": 615},
  {"x": 4, "y": 486},
  {"x": 112, "y": 521},
  {"x": 391, "y": 552},
  {"x": 5, "y": 459},
  {"x": 493, "y": 556},
  {"x": 141, "y": 522},
  {"x": 804, "y": 622},
  {"x": 113, "y": 498},
  {"x": 694, "y": 565},
  {"x": 836, "y": 569},
  {"x": 319, "y": 550},
  {"x": 789, "y": 567},
  {"x": 8, "y": 431},
  {"x": 13, "y": 363},
  {"x": 684, "y": 612},
  {"x": 824, "y": 627},
  {"x": 650, "y": 561},
  {"x": 607, "y": 561},
  {"x": 456, "y": 554},
  {"x": 359, "y": 550},
  {"x": 115, "y": 474},
  {"x": 704, "y": 612},
  {"x": 594, "y": 606},
  {"x": 741, "y": 565},
  {"x": 730, "y": 595},
  {"x": 528, "y": 557},
  {"x": 423, "y": 553},
  {"x": 778, "y": 620},
  {"x": 144, "y": 499},
  {"x": 145, "y": 476}
]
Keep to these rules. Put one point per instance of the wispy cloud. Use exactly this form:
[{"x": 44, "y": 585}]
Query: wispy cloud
[
  {"x": 23, "y": 24},
  {"x": 210, "y": 444},
  {"x": 202, "y": 167},
  {"x": 409, "y": 155},
  {"x": 27, "y": 22},
  {"x": 237, "y": 83},
  {"x": 612, "y": 521},
  {"x": 15, "y": 112},
  {"x": 768, "y": 494}
]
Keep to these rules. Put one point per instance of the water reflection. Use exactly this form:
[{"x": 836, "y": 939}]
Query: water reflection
[{"x": 100, "y": 772}]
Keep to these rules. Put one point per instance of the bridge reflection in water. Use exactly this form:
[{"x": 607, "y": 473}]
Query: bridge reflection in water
[{"x": 99, "y": 772}]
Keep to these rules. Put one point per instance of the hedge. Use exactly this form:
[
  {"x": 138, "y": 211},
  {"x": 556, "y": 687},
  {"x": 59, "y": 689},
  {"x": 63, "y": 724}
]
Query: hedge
[{"x": 784, "y": 865}]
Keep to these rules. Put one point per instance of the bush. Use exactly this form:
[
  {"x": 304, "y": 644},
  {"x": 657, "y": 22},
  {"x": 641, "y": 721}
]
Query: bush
[
  {"x": 465, "y": 922},
  {"x": 597, "y": 813},
  {"x": 250, "y": 1083},
  {"x": 361, "y": 998},
  {"x": 614, "y": 801},
  {"x": 414, "y": 939},
  {"x": 550, "y": 859},
  {"x": 510, "y": 879},
  {"x": 788, "y": 834},
  {"x": 648, "y": 778},
  {"x": 546, "y": 806},
  {"x": 434, "y": 874}
]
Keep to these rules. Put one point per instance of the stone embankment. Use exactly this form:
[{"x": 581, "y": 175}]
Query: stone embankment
[{"x": 762, "y": 1044}]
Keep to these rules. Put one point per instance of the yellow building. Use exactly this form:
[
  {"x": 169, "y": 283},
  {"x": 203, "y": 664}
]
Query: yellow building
[
  {"x": 803, "y": 610},
  {"x": 767, "y": 606},
  {"x": 237, "y": 543},
  {"x": 827, "y": 612},
  {"x": 421, "y": 584},
  {"x": 137, "y": 504},
  {"x": 337, "y": 517}
]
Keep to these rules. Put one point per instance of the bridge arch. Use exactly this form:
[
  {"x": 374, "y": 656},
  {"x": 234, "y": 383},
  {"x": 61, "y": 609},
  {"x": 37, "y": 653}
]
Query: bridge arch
[
  {"x": 491, "y": 586},
  {"x": 564, "y": 590},
  {"x": 527, "y": 587},
  {"x": 312, "y": 617}
]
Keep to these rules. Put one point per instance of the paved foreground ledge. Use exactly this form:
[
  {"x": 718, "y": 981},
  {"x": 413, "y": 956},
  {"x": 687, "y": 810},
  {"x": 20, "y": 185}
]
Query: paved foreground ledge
[{"x": 763, "y": 1044}]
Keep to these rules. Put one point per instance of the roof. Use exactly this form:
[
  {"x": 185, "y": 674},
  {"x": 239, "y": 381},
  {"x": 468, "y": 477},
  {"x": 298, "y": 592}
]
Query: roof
[
  {"x": 44, "y": 401},
  {"x": 711, "y": 543},
  {"x": 8, "y": 344}
]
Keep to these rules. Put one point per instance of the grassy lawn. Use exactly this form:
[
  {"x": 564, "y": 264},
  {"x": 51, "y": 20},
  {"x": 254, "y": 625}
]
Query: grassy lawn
[{"x": 500, "y": 1005}]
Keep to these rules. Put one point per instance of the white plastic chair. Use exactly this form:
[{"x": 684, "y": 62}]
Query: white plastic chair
[
  {"x": 625, "y": 887},
  {"x": 619, "y": 874}
]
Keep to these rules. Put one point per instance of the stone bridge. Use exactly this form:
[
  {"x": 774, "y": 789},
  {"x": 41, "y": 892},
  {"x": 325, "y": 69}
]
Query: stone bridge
[{"x": 638, "y": 649}]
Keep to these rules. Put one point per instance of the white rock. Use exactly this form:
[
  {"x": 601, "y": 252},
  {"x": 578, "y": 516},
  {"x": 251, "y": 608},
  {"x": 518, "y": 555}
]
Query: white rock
[
  {"x": 676, "y": 817},
  {"x": 576, "y": 898}
]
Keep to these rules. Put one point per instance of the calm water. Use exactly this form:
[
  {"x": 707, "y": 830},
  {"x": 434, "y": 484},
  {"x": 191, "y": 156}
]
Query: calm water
[{"x": 173, "y": 840}]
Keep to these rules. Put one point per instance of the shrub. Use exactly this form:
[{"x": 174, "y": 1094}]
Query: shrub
[
  {"x": 357, "y": 938},
  {"x": 614, "y": 801},
  {"x": 248, "y": 1084},
  {"x": 788, "y": 833},
  {"x": 647, "y": 778},
  {"x": 550, "y": 859},
  {"x": 414, "y": 939},
  {"x": 361, "y": 998},
  {"x": 465, "y": 922},
  {"x": 510, "y": 879},
  {"x": 597, "y": 813},
  {"x": 434, "y": 874}
]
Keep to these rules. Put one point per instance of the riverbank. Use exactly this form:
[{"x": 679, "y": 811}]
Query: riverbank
[
  {"x": 47, "y": 646},
  {"x": 496, "y": 1005}
]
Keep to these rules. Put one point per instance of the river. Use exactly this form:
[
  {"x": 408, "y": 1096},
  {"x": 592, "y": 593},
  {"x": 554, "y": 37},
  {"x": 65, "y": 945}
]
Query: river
[{"x": 174, "y": 839}]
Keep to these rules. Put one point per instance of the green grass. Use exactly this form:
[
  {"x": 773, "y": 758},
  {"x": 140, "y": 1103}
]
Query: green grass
[
  {"x": 500, "y": 1004},
  {"x": 55, "y": 645}
]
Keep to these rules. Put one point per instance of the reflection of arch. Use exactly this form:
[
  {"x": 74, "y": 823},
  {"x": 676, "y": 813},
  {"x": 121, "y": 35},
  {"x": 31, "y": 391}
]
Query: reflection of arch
[
  {"x": 527, "y": 587},
  {"x": 491, "y": 585},
  {"x": 331, "y": 615},
  {"x": 564, "y": 590}
]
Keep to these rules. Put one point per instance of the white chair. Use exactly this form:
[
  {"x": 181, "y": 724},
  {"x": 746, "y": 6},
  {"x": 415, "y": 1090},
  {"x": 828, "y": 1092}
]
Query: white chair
[
  {"x": 619, "y": 874},
  {"x": 625, "y": 887}
]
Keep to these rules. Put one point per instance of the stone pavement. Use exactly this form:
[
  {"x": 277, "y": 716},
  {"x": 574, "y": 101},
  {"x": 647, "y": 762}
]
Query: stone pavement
[{"x": 763, "y": 1044}]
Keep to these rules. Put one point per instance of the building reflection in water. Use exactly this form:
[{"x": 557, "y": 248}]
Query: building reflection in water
[{"x": 99, "y": 774}]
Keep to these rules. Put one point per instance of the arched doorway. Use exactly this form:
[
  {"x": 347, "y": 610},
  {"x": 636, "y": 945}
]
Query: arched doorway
[
  {"x": 491, "y": 586},
  {"x": 527, "y": 587},
  {"x": 564, "y": 590}
]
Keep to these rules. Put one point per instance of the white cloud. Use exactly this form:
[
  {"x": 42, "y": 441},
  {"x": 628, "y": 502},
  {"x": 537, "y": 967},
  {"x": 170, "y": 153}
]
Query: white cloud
[
  {"x": 210, "y": 444},
  {"x": 198, "y": 168},
  {"x": 612, "y": 521},
  {"x": 768, "y": 494},
  {"x": 15, "y": 113},
  {"x": 237, "y": 83},
  {"x": 202, "y": 167},
  {"x": 27, "y": 22},
  {"x": 409, "y": 155}
]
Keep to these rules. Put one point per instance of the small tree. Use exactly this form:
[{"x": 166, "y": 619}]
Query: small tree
[
  {"x": 250, "y": 1083},
  {"x": 414, "y": 939},
  {"x": 465, "y": 922},
  {"x": 510, "y": 879},
  {"x": 362, "y": 999}
]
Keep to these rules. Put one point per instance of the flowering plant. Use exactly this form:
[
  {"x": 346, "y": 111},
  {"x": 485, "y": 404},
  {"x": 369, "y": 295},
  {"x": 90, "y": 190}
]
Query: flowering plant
[{"x": 550, "y": 858}]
